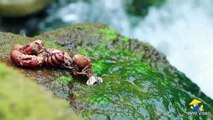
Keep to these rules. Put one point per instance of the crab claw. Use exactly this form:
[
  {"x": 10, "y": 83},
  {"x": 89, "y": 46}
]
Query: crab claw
[
  {"x": 93, "y": 80},
  {"x": 26, "y": 60}
]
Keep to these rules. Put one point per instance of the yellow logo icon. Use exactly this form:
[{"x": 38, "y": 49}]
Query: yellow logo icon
[{"x": 196, "y": 105}]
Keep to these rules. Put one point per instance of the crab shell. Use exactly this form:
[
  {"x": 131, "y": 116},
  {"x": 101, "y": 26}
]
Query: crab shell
[
  {"x": 81, "y": 60},
  {"x": 55, "y": 58}
]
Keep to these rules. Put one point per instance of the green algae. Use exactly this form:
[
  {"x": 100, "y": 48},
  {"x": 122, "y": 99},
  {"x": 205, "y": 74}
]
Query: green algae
[
  {"x": 22, "y": 99},
  {"x": 51, "y": 44},
  {"x": 109, "y": 34},
  {"x": 65, "y": 79},
  {"x": 132, "y": 89},
  {"x": 125, "y": 39}
]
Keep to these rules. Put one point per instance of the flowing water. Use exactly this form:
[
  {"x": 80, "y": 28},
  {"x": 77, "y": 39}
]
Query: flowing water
[{"x": 181, "y": 29}]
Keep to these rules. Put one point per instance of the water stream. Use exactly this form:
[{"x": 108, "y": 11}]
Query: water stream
[{"x": 181, "y": 29}]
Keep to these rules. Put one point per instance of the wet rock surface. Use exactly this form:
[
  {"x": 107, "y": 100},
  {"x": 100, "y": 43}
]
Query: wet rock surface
[
  {"x": 17, "y": 8},
  {"x": 138, "y": 80}
]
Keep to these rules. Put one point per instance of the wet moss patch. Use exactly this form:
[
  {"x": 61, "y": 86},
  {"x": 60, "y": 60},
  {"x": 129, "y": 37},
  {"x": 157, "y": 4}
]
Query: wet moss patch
[
  {"x": 132, "y": 89},
  {"x": 64, "y": 79}
]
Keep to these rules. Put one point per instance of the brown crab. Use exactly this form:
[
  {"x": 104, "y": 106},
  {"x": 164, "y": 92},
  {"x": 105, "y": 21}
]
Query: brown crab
[{"x": 34, "y": 55}]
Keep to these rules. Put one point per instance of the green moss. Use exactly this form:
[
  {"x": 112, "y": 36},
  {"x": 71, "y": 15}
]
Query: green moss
[
  {"x": 126, "y": 39},
  {"x": 83, "y": 52},
  {"x": 64, "y": 79},
  {"x": 22, "y": 99},
  {"x": 131, "y": 89},
  {"x": 96, "y": 35},
  {"x": 82, "y": 27},
  {"x": 109, "y": 34},
  {"x": 49, "y": 43}
]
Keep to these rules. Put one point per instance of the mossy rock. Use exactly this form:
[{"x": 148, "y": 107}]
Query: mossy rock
[
  {"x": 22, "y": 99},
  {"x": 139, "y": 83},
  {"x": 17, "y": 8}
]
